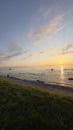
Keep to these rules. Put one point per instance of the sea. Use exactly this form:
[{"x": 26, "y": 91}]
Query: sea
[{"x": 50, "y": 75}]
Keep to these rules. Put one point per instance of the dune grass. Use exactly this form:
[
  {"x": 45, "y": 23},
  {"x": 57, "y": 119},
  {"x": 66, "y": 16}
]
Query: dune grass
[{"x": 27, "y": 108}]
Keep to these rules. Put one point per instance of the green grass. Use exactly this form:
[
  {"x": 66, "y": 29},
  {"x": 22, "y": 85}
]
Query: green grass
[{"x": 27, "y": 108}]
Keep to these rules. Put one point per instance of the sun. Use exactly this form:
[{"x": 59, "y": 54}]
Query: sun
[{"x": 61, "y": 62}]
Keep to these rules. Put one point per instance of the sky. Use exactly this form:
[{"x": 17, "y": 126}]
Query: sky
[{"x": 36, "y": 32}]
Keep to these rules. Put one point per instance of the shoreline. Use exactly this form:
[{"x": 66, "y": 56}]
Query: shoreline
[{"x": 40, "y": 84}]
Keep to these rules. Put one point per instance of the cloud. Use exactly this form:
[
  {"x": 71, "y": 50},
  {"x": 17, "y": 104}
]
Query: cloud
[
  {"x": 10, "y": 58},
  {"x": 15, "y": 47},
  {"x": 42, "y": 52},
  {"x": 44, "y": 11},
  {"x": 38, "y": 41},
  {"x": 65, "y": 52},
  {"x": 7, "y": 57},
  {"x": 13, "y": 55},
  {"x": 45, "y": 14},
  {"x": 69, "y": 46},
  {"x": 1, "y": 59},
  {"x": 15, "y": 50},
  {"x": 30, "y": 55},
  {"x": 1, "y": 54},
  {"x": 50, "y": 27},
  {"x": 59, "y": 29},
  {"x": 67, "y": 49},
  {"x": 46, "y": 51},
  {"x": 45, "y": 32}
]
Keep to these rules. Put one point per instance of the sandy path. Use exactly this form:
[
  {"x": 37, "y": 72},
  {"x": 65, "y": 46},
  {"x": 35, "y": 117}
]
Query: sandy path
[{"x": 41, "y": 84}]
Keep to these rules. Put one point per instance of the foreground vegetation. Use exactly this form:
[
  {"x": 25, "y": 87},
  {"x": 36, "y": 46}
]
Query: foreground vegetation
[{"x": 26, "y": 108}]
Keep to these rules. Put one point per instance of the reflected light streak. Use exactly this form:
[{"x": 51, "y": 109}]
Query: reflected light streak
[{"x": 62, "y": 72}]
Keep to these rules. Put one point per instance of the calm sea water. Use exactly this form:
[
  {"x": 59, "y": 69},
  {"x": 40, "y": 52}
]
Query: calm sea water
[{"x": 59, "y": 75}]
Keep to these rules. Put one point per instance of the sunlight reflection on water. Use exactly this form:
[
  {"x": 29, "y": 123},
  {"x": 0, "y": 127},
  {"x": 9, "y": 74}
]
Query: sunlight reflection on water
[
  {"x": 62, "y": 73},
  {"x": 58, "y": 75}
]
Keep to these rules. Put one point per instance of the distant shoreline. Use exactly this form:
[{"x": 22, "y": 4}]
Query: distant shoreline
[{"x": 40, "y": 84}]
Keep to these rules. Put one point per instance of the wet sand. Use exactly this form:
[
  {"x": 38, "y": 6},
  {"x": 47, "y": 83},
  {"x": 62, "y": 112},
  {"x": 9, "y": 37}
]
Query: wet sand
[{"x": 41, "y": 84}]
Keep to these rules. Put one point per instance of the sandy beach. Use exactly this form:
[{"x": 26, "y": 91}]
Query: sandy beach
[{"x": 41, "y": 85}]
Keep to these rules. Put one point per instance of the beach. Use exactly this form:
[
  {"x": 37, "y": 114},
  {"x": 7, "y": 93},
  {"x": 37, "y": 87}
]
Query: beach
[{"x": 40, "y": 84}]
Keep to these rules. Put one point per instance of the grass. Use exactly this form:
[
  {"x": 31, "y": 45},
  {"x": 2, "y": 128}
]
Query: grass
[{"x": 27, "y": 108}]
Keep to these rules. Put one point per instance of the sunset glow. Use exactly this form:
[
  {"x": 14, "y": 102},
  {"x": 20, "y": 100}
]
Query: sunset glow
[
  {"x": 36, "y": 64},
  {"x": 36, "y": 33},
  {"x": 61, "y": 62}
]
